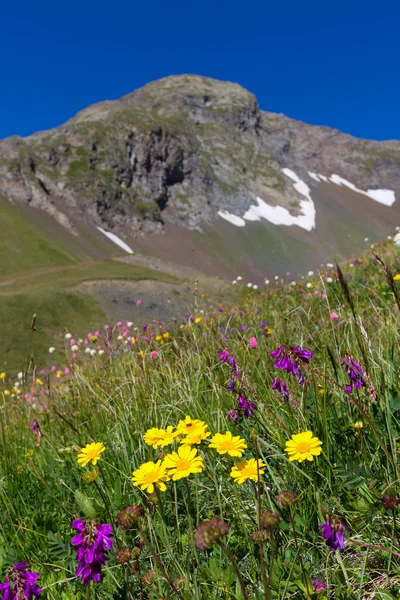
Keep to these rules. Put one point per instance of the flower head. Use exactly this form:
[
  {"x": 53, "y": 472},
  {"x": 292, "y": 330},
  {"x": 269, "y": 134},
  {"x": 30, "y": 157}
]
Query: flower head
[
  {"x": 390, "y": 502},
  {"x": 90, "y": 453},
  {"x": 247, "y": 469},
  {"x": 270, "y": 519},
  {"x": 20, "y": 583},
  {"x": 232, "y": 414},
  {"x": 149, "y": 475},
  {"x": 286, "y": 499},
  {"x": 160, "y": 437},
  {"x": 196, "y": 437},
  {"x": 280, "y": 386},
  {"x": 189, "y": 425},
  {"x": 355, "y": 373},
  {"x": 303, "y": 446},
  {"x": 183, "y": 463},
  {"x": 318, "y": 586},
  {"x": 209, "y": 532},
  {"x": 246, "y": 406},
  {"x": 333, "y": 533},
  {"x": 128, "y": 516},
  {"x": 92, "y": 543},
  {"x": 253, "y": 342},
  {"x": 226, "y": 443}
]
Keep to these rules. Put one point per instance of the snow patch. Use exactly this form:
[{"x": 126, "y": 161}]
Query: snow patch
[
  {"x": 278, "y": 215},
  {"x": 235, "y": 220},
  {"x": 386, "y": 197},
  {"x": 314, "y": 176},
  {"x": 114, "y": 238}
]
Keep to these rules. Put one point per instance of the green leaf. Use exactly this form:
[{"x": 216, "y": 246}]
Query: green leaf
[
  {"x": 58, "y": 549},
  {"x": 85, "y": 505}
]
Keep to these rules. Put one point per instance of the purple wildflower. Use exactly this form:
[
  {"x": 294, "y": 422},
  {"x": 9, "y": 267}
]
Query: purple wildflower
[
  {"x": 93, "y": 542},
  {"x": 288, "y": 359},
  {"x": 333, "y": 533},
  {"x": 355, "y": 373},
  {"x": 280, "y": 386},
  {"x": 223, "y": 355},
  {"x": 232, "y": 415},
  {"x": 318, "y": 586},
  {"x": 35, "y": 428},
  {"x": 246, "y": 406},
  {"x": 20, "y": 583}
]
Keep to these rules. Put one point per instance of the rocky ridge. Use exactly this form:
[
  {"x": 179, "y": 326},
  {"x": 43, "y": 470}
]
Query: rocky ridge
[{"x": 178, "y": 151}]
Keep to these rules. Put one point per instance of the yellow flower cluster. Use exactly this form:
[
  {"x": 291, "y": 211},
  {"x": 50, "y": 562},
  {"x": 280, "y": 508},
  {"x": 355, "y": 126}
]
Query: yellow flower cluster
[{"x": 185, "y": 460}]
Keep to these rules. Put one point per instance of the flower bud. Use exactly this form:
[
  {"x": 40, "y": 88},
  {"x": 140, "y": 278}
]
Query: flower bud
[
  {"x": 127, "y": 518},
  {"x": 209, "y": 532},
  {"x": 390, "y": 502},
  {"x": 124, "y": 556},
  {"x": 260, "y": 536},
  {"x": 286, "y": 499},
  {"x": 269, "y": 519}
]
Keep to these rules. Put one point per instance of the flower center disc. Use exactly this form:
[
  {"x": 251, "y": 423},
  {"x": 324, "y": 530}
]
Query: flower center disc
[
  {"x": 228, "y": 445},
  {"x": 151, "y": 477},
  {"x": 182, "y": 465},
  {"x": 303, "y": 447}
]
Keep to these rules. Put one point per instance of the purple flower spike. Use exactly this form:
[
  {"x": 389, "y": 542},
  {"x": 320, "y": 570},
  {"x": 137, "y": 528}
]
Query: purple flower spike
[
  {"x": 280, "y": 386},
  {"x": 20, "y": 583},
  {"x": 355, "y": 373},
  {"x": 246, "y": 406},
  {"x": 92, "y": 543},
  {"x": 289, "y": 358},
  {"x": 333, "y": 534}
]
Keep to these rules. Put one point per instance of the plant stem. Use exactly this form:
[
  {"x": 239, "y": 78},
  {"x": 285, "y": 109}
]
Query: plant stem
[
  {"x": 298, "y": 550},
  {"x": 159, "y": 563},
  {"x": 262, "y": 558},
  {"x": 234, "y": 564}
]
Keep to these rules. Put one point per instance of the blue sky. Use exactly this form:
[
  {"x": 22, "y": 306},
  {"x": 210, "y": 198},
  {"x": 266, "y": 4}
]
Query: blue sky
[{"x": 323, "y": 62}]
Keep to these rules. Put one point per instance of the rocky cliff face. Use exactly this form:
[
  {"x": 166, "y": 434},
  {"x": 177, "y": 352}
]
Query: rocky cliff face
[{"x": 179, "y": 150}]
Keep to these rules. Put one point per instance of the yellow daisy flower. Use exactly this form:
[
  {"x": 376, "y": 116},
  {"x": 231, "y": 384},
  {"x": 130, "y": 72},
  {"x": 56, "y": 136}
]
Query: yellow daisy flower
[
  {"x": 189, "y": 425},
  {"x": 166, "y": 335},
  {"x": 90, "y": 453},
  {"x": 226, "y": 443},
  {"x": 3, "y": 375},
  {"x": 303, "y": 446},
  {"x": 39, "y": 382},
  {"x": 197, "y": 320},
  {"x": 397, "y": 277},
  {"x": 183, "y": 463},
  {"x": 160, "y": 437},
  {"x": 196, "y": 437},
  {"x": 7, "y": 392},
  {"x": 149, "y": 475},
  {"x": 247, "y": 469}
]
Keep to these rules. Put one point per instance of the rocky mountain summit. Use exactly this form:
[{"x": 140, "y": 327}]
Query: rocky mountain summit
[{"x": 191, "y": 152}]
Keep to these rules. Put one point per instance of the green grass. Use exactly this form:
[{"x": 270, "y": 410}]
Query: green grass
[
  {"x": 23, "y": 245},
  {"x": 116, "y": 397}
]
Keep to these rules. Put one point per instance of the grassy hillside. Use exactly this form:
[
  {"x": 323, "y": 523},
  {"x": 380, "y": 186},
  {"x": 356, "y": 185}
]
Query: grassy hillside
[
  {"x": 324, "y": 526},
  {"x": 23, "y": 245}
]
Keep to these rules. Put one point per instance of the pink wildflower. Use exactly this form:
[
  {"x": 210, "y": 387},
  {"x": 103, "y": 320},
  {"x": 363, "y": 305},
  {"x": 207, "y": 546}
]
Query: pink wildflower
[
  {"x": 139, "y": 303},
  {"x": 54, "y": 369},
  {"x": 334, "y": 316},
  {"x": 67, "y": 371},
  {"x": 253, "y": 342},
  {"x": 153, "y": 354}
]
